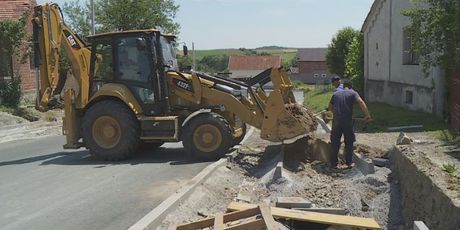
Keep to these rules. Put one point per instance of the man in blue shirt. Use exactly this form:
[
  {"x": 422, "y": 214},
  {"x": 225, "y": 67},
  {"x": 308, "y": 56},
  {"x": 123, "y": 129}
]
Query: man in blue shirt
[
  {"x": 341, "y": 106},
  {"x": 336, "y": 83}
]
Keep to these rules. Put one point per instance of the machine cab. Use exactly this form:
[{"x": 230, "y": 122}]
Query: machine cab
[{"x": 135, "y": 60}]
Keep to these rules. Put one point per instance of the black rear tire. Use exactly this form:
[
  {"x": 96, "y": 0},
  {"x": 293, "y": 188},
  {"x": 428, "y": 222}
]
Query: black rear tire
[
  {"x": 111, "y": 131},
  {"x": 207, "y": 137}
]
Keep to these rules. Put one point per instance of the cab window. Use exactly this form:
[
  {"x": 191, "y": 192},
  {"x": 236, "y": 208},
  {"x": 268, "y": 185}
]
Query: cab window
[
  {"x": 133, "y": 59},
  {"x": 104, "y": 57}
]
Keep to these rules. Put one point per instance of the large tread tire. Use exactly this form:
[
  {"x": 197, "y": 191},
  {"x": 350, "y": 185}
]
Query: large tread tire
[
  {"x": 238, "y": 140},
  {"x": 129, "y": 130},
  {"x": 211, "y": 120}
]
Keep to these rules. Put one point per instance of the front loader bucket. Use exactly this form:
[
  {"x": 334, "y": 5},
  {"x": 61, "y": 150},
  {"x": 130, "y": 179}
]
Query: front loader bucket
[{"x": 284, "y": 119}]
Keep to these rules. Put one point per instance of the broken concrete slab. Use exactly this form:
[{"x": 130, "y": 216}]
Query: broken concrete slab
[
  {"x": 380, "y": 162},
  {"x": 364, "y": 165},
  {"x": 403, "y": 139},
  {"x": 292, "y": 202}
]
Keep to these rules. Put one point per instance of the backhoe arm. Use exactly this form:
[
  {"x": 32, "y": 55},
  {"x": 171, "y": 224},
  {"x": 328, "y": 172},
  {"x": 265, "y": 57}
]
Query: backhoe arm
[{"x": 50, "y": 34}]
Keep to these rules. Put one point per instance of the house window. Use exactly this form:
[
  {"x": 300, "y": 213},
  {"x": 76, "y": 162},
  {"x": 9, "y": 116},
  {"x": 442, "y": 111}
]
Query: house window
[
  {"x": 409, "y": 55},
  {"x": 323, "y": 75},
  {"x": 6, "y": 66},
  {"x": 409, "y": 97},
  {"x": 316, "y": 75}
]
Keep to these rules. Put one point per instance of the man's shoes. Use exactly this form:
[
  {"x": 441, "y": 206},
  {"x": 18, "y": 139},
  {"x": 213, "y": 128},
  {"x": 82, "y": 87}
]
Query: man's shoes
[{"x": 350, "y": 166}]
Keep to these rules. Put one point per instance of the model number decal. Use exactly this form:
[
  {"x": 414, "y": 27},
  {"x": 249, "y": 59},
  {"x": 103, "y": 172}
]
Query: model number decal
[{"x": 183, "y": 85}]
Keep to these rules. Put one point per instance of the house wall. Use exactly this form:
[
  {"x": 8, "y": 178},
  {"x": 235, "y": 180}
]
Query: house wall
[
  {"x": 308, "y": 69},
  {"x": 387, "y": 79}
]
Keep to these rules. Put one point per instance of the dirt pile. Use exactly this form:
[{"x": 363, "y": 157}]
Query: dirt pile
[{"x": 304, "y": 116}]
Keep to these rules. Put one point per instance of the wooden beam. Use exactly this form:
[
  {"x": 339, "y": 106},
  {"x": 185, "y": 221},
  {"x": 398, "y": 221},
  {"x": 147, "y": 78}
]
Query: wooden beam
[
  {"x": 267, "y": 217},
  {"x": 313, "y": 217},
  {"x": 241, "y": 214},
  {"x": 256, "y": 224},
  {"x": 219, "y": 222},
  {"x": 205, "y": 223}
]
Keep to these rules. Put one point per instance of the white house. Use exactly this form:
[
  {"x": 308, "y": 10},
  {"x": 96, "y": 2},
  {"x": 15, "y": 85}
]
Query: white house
[{"x": 391, "y": 70}]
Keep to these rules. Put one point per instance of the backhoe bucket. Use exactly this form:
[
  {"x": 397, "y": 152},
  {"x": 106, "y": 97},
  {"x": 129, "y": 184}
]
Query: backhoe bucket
[{"x": 284, "y": 118}]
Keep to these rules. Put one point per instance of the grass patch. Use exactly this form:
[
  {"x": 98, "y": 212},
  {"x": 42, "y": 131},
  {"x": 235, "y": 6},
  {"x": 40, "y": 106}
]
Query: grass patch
[
  {"x": 317, "y": 97},
  {"x": 384, "y": 115}
]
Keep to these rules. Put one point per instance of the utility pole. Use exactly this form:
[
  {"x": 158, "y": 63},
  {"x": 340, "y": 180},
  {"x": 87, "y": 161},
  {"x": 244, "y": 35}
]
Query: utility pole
[
  {"x": 93, "y": 30},
  {"x": 193, "y": 56}
]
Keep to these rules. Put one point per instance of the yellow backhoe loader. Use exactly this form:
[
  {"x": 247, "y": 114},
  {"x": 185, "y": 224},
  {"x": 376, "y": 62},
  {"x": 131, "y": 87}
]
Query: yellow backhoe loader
[{"x": 130, "y": 92}]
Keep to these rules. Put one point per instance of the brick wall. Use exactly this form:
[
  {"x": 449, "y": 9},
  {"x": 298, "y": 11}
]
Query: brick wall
[
  {"x": 27, "y": 74},
  {"x": 308, "y": 69},
  {"x": 455, "y": 101}
]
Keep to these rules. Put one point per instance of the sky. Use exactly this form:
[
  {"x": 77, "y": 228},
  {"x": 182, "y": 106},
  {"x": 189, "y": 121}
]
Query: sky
[{"x": 216, "y": 24}]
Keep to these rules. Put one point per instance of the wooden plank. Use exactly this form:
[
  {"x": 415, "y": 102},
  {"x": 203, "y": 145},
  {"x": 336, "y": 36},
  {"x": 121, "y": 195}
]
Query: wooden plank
[
  {"x": 172, "y": 227},
  {"x": 313, "y": 217},
  {"x": 256, "y": 224},
  {"x": 197, "y": 225},
  {"x": 219, "y": 222},
  {"x": 267, "y": 217},
  {"x": 241, "y": 214}
]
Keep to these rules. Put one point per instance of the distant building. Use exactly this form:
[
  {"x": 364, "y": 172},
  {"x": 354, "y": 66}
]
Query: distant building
[
  {"x": 245, "y": 67},
  {"x": 391, "y": 70},
  {"x": 312, "y": 66},
  {"x": 14, "y": 9}
]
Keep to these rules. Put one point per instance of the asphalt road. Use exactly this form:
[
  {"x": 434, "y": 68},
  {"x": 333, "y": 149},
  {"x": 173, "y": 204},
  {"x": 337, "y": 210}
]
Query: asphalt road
[{"x": 44, "y": 187}]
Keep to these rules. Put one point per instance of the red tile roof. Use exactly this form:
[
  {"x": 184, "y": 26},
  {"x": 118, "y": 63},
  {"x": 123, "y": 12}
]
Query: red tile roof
[
  {"x": 311, "y": 54},
  {"x": 14, "y": 9},
  {"x": 253, "y": 62}
]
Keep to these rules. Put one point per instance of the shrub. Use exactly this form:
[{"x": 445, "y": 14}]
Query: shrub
[{"x": 10, "y": 92}]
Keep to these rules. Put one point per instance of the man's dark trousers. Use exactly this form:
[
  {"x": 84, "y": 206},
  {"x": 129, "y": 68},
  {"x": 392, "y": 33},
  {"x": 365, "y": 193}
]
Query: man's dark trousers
[{"x": 345, "y": 128}]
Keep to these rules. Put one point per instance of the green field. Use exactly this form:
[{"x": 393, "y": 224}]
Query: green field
[{"x": 286, "y": 54}]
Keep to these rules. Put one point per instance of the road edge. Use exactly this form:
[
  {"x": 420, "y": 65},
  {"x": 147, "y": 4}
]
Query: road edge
[{"x": 155, "y": 217}]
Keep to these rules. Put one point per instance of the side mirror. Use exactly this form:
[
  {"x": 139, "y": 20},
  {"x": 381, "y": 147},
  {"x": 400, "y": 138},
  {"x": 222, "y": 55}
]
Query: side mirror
[
  {"x": 185, "y": 50},
  {"x": 141, "y": 44}
]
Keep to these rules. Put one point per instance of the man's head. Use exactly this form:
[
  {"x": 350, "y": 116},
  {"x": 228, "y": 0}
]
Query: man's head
[
  {"x": 347, "y": 84},
  {"x": 335, "y": 81}
]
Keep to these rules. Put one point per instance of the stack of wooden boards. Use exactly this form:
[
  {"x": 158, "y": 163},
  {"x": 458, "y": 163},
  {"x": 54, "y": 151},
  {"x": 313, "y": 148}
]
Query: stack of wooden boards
[{"x": 242, "y": 216}]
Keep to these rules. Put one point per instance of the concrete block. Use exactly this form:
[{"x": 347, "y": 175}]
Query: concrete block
[
  {"x": 244, "y": 198},
  {"x": 232, "y": 155},
  {"x": 278, "y": 171},
  {"x": 292, "y": 202},
  {"x": 403, "y": 139},
  {"x": 364, "y": 165},
  {"x": 380, "y": 162},
  {"x": 335, "y": 211},
  {"x": 419, "y": 225}
]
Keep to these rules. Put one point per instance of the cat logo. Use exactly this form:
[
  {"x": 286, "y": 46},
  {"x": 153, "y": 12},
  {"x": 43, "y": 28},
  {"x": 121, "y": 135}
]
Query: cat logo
[{"x": 71, "y": 40}]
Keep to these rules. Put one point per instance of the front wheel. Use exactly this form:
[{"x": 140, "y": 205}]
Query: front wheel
[
  {"x": 111, "y": 131},
  {"x": 207, "y": 137}
]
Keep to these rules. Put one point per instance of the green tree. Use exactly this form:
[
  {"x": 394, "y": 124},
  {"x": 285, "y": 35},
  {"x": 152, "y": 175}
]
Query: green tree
[
  {"x": 13, "y": 39},
  {"x": 120, "y": 15},
  {"x": 435, "y": 32},
  {"x": 354, "y": 63},
  {"x": 78, "y": 17},
  {"x": 338, "y": 50},
  {"x": 213, "y": 63}
]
